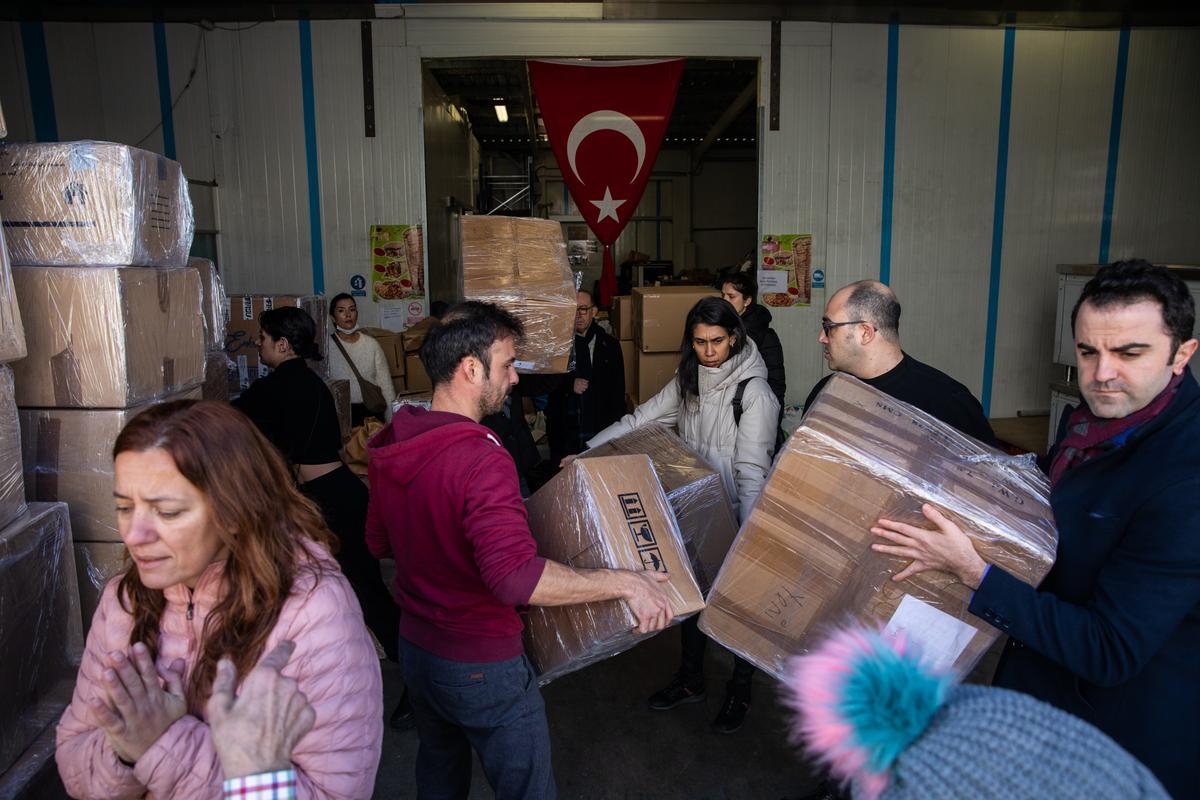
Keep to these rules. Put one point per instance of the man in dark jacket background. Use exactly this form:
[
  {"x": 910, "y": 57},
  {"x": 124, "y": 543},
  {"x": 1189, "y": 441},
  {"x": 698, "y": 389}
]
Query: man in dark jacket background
[
  {"x": 592, "y": 397},
  {"x": 1112, "y": 635}
]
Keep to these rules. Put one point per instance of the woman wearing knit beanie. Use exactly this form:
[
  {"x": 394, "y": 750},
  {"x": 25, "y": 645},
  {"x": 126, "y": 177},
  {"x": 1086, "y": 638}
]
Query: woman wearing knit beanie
[{"x": 888, "y": 727}]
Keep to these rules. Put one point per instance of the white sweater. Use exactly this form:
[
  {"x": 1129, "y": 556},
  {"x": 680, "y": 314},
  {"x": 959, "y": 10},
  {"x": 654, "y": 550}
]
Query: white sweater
[{"x": 371, "y": 362}]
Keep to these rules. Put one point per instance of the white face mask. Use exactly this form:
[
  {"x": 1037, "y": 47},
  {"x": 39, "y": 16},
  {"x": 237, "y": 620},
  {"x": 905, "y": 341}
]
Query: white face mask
[{"x": 345, "y": 330}]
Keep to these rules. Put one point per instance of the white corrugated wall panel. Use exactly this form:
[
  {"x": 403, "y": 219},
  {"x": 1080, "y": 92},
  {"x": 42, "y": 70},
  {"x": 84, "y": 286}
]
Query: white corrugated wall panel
[
  {"x": 1028, "y": 290},
  {"x": 794, "y": 191},
  {"x": 857, "y": 109},
  {"x": 14, "y": 85},
  {"x": 1158, "y": 167},
  {"x": 947, "y": 130},
  {"x": 364, "y": 180},
  {"x": 260, "y": 158},
  {"x": 186, "y": 46}
]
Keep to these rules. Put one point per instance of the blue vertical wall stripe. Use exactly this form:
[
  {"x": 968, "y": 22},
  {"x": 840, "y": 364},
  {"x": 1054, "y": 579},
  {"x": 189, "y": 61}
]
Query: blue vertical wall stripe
[
  {"x": 889, "y": 153},
  {"x": 37, "y": 72},
  {"x": 1114, "y": 144},
  {"x": 164, "y": 89},
  {"x": 989, "y": 352},
  {"x": 310, "y": 150}
]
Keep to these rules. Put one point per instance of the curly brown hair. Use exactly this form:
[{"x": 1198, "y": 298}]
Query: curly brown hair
[{"x": 262, "y": 520}]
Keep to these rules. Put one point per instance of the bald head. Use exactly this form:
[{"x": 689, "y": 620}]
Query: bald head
[{"x": 874, "y": 302}]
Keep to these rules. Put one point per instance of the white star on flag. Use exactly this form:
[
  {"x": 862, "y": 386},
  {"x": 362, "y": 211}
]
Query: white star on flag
[{"x": 608, "y": 207}]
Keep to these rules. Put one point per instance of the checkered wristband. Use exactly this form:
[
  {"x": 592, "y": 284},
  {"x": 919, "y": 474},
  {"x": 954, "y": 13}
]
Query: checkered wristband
[{"x": 263, "y": 786}]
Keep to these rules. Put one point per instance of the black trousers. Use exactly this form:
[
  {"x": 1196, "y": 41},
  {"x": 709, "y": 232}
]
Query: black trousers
[
  {"x": 342, "y": 498},
  {"x": 692, "y": 666}
]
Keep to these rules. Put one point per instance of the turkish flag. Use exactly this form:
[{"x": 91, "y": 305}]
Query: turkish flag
[{"x": 605, "y": 121}]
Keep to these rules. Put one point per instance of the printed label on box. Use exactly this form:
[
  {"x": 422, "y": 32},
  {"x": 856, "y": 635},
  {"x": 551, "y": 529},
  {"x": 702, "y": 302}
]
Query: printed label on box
[
  {"x": 247, "y": 308},
  {"x": 631, "y": 504},
  {"x": 940, "y": 637},
  {"x": 268, "y": 303},
  {"x": 643, "y": 536},
  {"x": 652, "y": 560}
]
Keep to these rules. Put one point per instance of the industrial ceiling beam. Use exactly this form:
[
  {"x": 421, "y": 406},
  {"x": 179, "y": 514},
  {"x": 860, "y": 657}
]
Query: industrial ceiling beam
[{"x": 739, "y": 104}]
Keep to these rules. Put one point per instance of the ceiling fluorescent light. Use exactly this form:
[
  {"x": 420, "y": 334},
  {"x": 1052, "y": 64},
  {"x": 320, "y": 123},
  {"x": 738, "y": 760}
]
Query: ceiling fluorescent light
[{"x": 502, "y": 113}]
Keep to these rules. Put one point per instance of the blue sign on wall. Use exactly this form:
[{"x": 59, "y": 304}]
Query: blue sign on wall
[
  {"x": 358, "y": 286},
  {"x": 818, "y": 279}
]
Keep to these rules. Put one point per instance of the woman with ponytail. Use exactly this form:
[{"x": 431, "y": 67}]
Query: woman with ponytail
[{"x": 228, "y": 559}]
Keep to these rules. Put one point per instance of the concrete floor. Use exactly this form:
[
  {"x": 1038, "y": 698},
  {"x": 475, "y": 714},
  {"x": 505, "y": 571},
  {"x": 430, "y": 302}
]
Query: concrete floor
[{"x": 609, "y": 746}]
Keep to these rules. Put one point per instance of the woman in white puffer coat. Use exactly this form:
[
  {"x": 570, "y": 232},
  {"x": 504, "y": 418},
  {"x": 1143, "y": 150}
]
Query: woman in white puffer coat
[{"x": 718, "y": 356}]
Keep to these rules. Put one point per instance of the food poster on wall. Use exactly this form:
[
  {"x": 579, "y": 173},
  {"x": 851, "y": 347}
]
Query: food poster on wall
[
  {"x": 397, "y": 263},
  {"x": 785, "y": 273}
]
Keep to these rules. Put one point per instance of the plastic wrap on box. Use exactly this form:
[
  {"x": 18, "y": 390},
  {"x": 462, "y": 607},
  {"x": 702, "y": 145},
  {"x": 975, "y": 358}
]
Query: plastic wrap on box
[
  {"x": 241, "y": 313},
  {"x": 695, "y": 490},
  {"x": 34, "y": 775},
  {"x": 94, "y": 203},
  {"x": 67, "y": 456},
  {"x": 40, "y": 633},
  {"x": 96, "y": 563},
  {"x": 218, "y": 375},
  {"x": 603, "y": 513},
  {"x": 12, "y": 480},
  {"x": 803, "y": 560},
  {"x": 659, "y": 313},
  {"x": 108, "y": 337},
  {"x": 12, "y": 333},
  {"x": 340, "y": 389},
  {"x": 521, "y": 265},
  {"x": 213, "y": 302}
]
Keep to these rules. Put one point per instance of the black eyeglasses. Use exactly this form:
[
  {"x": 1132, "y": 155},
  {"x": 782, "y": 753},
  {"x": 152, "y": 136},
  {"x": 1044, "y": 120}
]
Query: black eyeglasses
[
  {"x": 827, "y": 325},
  {"x": 583, "y": 309}
]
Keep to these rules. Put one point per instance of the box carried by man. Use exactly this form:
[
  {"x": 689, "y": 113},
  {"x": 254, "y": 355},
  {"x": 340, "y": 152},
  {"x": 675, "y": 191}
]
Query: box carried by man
[
  {"x": 603, "y": 513},
  {"x": 803, "y": 559}
]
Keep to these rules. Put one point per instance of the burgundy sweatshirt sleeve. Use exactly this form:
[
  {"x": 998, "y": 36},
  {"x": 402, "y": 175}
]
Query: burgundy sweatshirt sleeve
[{"x": 496, "y": 525}]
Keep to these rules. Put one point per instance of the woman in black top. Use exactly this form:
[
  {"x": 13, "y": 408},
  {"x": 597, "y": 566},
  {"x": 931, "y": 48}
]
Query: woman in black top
[{"x": 294, "y": 408}]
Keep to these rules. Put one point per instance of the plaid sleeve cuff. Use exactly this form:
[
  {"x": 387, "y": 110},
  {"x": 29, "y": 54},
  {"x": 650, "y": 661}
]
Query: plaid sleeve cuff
[{"x": 263, "y": 786}]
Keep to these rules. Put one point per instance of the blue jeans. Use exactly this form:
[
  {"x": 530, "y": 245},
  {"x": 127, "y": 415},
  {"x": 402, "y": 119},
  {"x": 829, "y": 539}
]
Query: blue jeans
[{"x": 495, "y": 708}]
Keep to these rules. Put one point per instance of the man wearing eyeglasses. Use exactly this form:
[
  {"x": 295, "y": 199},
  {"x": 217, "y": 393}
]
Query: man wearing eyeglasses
[
  {"x": 593, "y": 396},
  {"x": 861, "y": 336}
]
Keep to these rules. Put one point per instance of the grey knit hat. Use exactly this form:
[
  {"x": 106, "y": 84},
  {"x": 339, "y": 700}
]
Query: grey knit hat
[{"x": 893, "y": 729}]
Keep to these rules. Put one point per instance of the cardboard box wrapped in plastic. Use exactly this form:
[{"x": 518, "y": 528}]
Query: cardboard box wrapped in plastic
[
  {"x": 94, "y": 204},
  {"x": 521, "y": 265},
  {"x": 695, "y": 490},
  {"x": 219, "y": 373},
  {"x": 67, "y": 456},
  {"x": 96, "y": 563},
  {"x": 241, "y": 333},
  {"x": 12, "y": 333},
  {"x": 603, "y": 513},
  {"x": 108, "y": 337},
  {"x": 40, "y": 633},
  {"x": 12, "y": 479},
  {"x": 803, "y": 560},
  {"x": 212, "y": 302}
]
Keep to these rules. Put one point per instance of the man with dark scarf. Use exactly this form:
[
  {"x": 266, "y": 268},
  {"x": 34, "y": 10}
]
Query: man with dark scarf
[
  {"x": 1112, "y": 635},
  {"x": 593, "y": 396}
]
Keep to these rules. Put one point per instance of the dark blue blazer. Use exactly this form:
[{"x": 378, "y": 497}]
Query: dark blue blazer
[{"x": 1113, "y": 633}]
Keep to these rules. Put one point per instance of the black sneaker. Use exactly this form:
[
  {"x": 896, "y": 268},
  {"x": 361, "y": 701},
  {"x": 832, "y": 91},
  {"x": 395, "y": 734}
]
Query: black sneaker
[
  {"x": 733, "y": 712},
  {"x": 402, "y": 717},
  {"x": 677, "y": 693}
]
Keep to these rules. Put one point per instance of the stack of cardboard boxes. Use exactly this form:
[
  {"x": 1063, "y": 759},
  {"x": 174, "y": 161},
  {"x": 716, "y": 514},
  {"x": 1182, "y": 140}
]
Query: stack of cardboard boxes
[
  {"x": 521, "y": 265},
  {"x": 659, "y": 314},
  {"x": 113, "y": 316},
  {"x": 416, "y": 379},
  {"x": 110, "y": 320}
]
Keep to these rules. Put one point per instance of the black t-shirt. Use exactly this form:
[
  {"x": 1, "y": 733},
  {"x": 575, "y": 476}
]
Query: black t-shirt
[
  {"x": 294, "y": 408},
  {"x": 932, "y": 391}
]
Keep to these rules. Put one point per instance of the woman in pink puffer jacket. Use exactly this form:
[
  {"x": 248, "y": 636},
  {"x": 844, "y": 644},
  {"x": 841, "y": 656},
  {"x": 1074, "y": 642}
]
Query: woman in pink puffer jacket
[{"x": 228, "y": 559}]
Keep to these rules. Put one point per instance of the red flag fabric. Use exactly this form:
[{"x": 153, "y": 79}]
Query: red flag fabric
[{"x": 605, "y": 121}]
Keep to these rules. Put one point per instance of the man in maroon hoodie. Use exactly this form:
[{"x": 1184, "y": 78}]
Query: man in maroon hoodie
[{"x": 446, "y": 504}]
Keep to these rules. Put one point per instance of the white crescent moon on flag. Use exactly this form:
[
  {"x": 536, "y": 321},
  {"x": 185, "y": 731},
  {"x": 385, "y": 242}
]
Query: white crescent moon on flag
[{"x": 606, "y": 121}]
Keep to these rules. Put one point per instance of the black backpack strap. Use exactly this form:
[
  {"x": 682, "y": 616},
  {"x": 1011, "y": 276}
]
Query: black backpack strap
[{"x": 737, "y": 401}]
